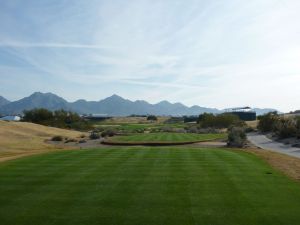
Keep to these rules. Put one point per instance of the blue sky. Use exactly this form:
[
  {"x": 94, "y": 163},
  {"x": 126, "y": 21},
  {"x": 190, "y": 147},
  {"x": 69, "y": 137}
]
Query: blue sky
[{"x": 210, "y": 53}]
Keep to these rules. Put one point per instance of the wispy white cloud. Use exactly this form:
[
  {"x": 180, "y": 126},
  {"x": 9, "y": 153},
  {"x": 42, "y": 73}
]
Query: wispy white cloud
[
  {"x": 216, "y": 53},
  {"x": 50, "y": 45}
]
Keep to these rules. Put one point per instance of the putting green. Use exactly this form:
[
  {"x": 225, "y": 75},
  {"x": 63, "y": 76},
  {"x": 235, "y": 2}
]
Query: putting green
[
  {"x": 146, "y": 186},
  {"x": 164, "y": 138}
]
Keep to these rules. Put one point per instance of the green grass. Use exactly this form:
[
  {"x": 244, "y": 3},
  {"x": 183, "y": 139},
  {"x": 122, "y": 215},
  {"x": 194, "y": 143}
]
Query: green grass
[
  {"x": 128, "y": 127},
  {"x": 134, "y": 127},
  {"x": 166, "y": 137},
  {"x": 146, "y": 186}
]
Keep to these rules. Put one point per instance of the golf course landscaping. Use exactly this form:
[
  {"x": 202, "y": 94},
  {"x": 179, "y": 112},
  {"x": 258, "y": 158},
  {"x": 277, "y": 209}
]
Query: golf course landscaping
[
  {"x": 146, "y": 185},
  {"x": 163, "y": 138}
]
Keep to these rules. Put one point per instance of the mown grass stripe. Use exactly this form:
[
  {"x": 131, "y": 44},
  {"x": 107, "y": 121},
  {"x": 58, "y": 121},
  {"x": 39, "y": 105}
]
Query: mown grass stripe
[
  {"x": 143, "y": 185},
  {"x": 164, "y": 138}
]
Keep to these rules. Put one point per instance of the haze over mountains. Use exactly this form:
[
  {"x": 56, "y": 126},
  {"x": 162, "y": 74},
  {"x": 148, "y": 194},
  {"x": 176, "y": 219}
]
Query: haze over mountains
[
  {"x": 112, "y": 106},
  {"x": 3, "y": 101}
]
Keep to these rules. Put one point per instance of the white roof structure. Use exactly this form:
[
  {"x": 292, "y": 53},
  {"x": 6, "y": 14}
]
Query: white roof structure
[
  {"x": 239, "y": 109},
  {"x": 11, "y": 118}
]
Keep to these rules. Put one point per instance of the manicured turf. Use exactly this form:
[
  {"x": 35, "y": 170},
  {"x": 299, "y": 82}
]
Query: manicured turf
[
  {"x": 166, "y": 137},
  {"x": 135, "y": 127},
  {"x": 146, "y": 186}
]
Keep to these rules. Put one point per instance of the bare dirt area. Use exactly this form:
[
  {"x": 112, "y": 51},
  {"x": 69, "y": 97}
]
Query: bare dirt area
[
  {"x": 210, "y": 144},
  {"x": 97, "y": 143},
  {"x": 252, "y": 124},
  {"x": 21, "y": 138}
]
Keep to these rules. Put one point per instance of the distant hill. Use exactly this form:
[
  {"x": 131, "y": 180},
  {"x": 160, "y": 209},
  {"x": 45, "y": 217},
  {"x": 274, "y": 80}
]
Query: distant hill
[
  {"x": 36, "y": 100},
  {"x": 113, "y": 106},
  {"x": 3, "y": 101},
  {"x": 118, "y": 106}
]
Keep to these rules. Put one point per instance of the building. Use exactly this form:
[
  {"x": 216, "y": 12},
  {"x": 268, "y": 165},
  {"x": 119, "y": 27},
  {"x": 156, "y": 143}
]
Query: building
[
  {"x": 11, "y": 118},
  {"x": 244, "y": 113}
]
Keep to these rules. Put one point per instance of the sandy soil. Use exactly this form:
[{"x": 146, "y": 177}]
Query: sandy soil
[
  {"x": 77, "y": 145},
  {"x": 212, "y": 144},
  {"x": 252, "y": 124}
]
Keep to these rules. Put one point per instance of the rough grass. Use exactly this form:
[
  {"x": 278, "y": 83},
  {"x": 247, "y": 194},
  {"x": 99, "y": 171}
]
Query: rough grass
[
  {"x": 285, "y": 163},
  {"x": 21, "y": 138},
  {"x": 165, "y": 138},
  {"x": 146, "y": 186}
]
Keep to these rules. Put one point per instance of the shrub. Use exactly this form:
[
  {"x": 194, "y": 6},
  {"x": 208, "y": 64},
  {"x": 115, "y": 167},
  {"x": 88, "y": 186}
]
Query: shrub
[
  {"x": 209, "y": 131},
  {"x": 179, "y": 130},
  {"x": 285, "y": 128},
  {"x": 174, "y": 119},
  {"x": 94, "y": 135},
  {"x": 189, "y": 119},
  {"x": 266, "y": 122},
  {"x": 57, "y": 138},
  {"x": 108, "y": 133},
  {"x": 236, "y": 137},
  {"x": 166, "y": 129},
  {"x": 192, "y": 129},
  {"x": 154, "y": 130},
  {"x": 282, "y": 127},
  {"x": 297, "y": 119},
  {"x": 41, "y": 116},
  {"x": 99, "y": 129},
  {"x": 141, "y": 130},
  {"x": 70, "y": 140},
  {"x": 82, "y": 141},
  {"x": 152, "y": 118},
  {"x": 249, "y": 129}
]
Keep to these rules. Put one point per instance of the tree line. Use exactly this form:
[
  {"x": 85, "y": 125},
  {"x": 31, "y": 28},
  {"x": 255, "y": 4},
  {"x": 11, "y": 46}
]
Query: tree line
[{"x": 59, "y": 118}]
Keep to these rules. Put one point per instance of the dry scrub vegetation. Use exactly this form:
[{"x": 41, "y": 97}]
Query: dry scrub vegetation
[
  {"x": 21, "y": 138},
  {"x": 290, "y": 166}
]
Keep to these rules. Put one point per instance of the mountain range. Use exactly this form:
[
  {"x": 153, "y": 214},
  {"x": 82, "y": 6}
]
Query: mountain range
[
  {"x": 3, "y": 101},
  {"x": 111, "y": 106}
]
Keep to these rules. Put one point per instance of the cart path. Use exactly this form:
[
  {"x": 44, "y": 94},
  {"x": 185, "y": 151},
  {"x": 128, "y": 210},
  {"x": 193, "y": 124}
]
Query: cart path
[{"x": 264, "y": 142}]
